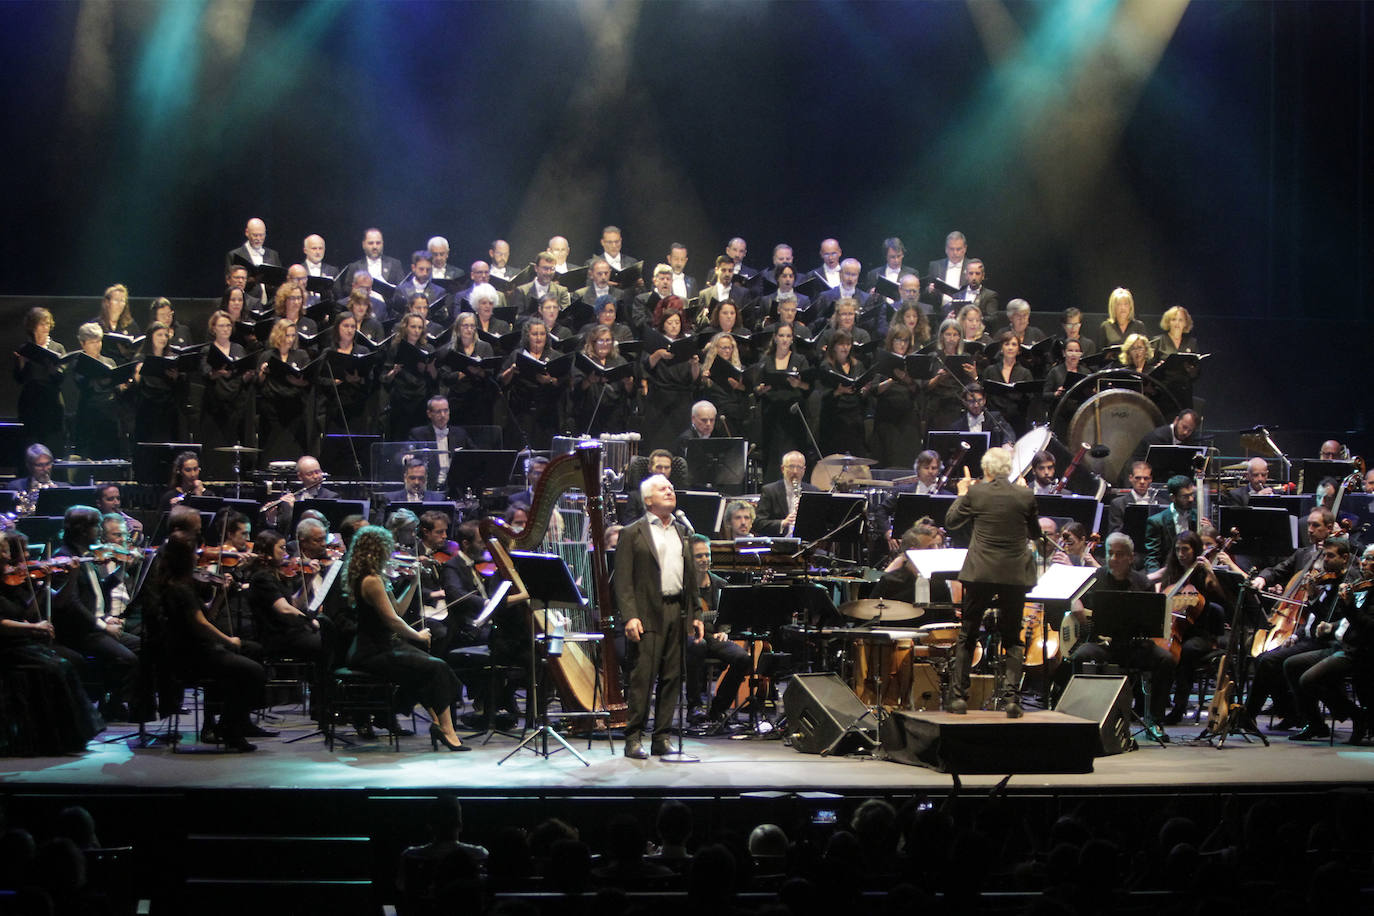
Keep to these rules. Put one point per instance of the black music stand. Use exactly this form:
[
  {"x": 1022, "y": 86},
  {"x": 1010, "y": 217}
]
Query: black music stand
[
  {"x": 55, "y": 501},
  {"x": 334, "y": 510},
  {"x": 474, "y": 469},
  {"x": 704, "y": 509},
  {"x": 1126, "y": 616},
  {"x": 1133, "y": 523},
  {"x": 1263, "y": 532},
  {"x": 1313, "y": 471},
  {"x": 838, "y": 517},
  {"x": 549, "y": 582},
  {"x": 945, "y": 443},
  {"x": 1173, "y": 460},
  {"x": 1082, "y": 509},
  {"x": 717, "y": 463},
  {"x": 754, "y": 614},
  {"x": 911, "y": 506}
]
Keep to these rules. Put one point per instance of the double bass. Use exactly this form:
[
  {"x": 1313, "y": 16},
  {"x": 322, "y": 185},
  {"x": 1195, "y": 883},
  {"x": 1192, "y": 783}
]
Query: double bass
[{"x": 575, "y": 672}]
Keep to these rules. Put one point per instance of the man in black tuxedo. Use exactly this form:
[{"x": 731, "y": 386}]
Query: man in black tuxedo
[
  {"x": 610, "y": 250},
  {"x": 311, "y": 477},
  {"x": 684, "y": 286},
  {"x": 848, "y": 289},
  {"x": 254, "y": 249},
  {"x": 1139, "y": 493},
  {"x": 997, "y": 571},
  {"x": 893, "y": 269},
  {"x": 1162, "y": 528},
  {"x": 599, "y": 285},
  {"x": 950, "y": 269},
  {"x": 39, "y": 460},
  {"x": 419, "y": 283},
  {"x": 829, "y": 271},
  {"x": 782, "y": 254},
  {"x": 976, "y": 418},
  {"x": 313, "y": 248},
  {"x": 735, "y": 250},
  {"x": 703, "y": 426},
  {"x": 726, "y": 285},
  {"x": 1256, "y": 484},
  {"x": 974, "y": 292},
  {"x": 1183, "y": 431},
  {"x": 379, "y": 265},
  {"x": 445, "y": 438},
  {"x": 777, "y": 512},
  {"x": 498, "y": 256},
  {"x": 416, "y": 477},
  {"x": 655, "y": 591}
]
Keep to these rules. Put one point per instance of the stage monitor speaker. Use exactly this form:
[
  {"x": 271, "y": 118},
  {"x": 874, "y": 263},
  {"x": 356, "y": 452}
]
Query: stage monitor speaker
[
  {"x": 819, "y": 708},
  {"x": 1106, "y": 700}
]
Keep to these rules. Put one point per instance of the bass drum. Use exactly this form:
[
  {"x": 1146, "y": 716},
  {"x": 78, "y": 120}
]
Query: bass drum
[{"x": 1117, "y": 418}]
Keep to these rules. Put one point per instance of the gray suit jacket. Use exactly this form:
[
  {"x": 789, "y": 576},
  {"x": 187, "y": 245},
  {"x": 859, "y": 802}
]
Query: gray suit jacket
[{"x": 1003, "y": 517}]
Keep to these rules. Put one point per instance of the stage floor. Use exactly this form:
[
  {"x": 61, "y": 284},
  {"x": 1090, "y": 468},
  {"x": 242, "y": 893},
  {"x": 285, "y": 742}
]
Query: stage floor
[{"x": 727, "y": 767}]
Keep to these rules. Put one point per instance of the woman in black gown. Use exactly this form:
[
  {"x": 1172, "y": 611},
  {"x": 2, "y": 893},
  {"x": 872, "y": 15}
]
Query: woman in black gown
[
  {"x": 345, "y": 398},
  {"x": 38, "y": 677},
  {"x": 161, "y": 311},
  {"x": 282, "y": 396},
  {"x": 896, "y": 406},
  {"x": 96, "y": 424},
  {"x": 201, "y": 650},
  {"x": 223, "y": 402},
  {"x": 599, "y": 406},
  {"x": 841, "y": 425},
  {"x": 1178, "y": 337},
  {"x": 944, "y": 393},
  {"x": 157, "y": 416},
  {"x": 40, "y": 406},
  {"x": 470, "y": 390},
  {"x": 534, "y": 396},
  {"x": 779, "y": 386},
  {"x": 409, "y": 385},
  {"x": 669, "y": 385},
  {"x": 1121, "y": 321},
  {"x": 389, "y": 647},
  {"x": 734, "y": 406}
]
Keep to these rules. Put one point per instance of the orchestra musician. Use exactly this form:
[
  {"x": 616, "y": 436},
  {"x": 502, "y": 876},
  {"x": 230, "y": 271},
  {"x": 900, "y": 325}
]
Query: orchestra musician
[
  {"x": 901, "y": 580},
  {"x": 433, "y": 545},
  {"x": 1256, "y": 484},
  {"x": 185, "y": 481},
  {"x": 390, "y": 648},
  {"x": 1203, "y": 626},
  {"x": 40, "y": 406},
  {"x": 39, "y": 461},
  {"x": 446, "y": 438},
  {"x": 1118, "y": 575},
  {"x": 997, "y": 571},
  {"x": 200, "y": 649},
  {"x": 702, "y": 426},
  {"x": 27, "y": 644},
  {"x": 739, "y": 519},
  {"x": 777, "y": 510},
  {"x": 1327, "y": 624},
  {"x": 715, "y": 643},
  {"x": 1182, "y": 431},
  {"x": 276, "y": 601},
  {"x": 81, "y": 617},
  {"x": 655, "y": 589},
  {"x": 1319, "y": 676},
  {"x": 1268, "y": 680},
  {"x": 107, "y": 501},
  {"x": 976, "y": 418},
  {"x": 1162, "y": 528},
  {"x": 1043, "y": 479}
]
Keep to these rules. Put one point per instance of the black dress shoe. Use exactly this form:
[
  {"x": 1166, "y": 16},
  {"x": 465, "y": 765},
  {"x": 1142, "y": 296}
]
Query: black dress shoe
[
  {"x": 1287, "y": 723},
  {"x": 660, "y": 746},
  {"x": 1359, "y": 727},
  {"x": 635, "y": 751},
  {"x": 1175, "y": 716},
  {"x": 1311, "y": 733},
  {"x": 239, "y": 745},
  {"x": 208, "y": 735},
  {"x": 1013, "y": 710},
  {"x": 957, "y": 706}
]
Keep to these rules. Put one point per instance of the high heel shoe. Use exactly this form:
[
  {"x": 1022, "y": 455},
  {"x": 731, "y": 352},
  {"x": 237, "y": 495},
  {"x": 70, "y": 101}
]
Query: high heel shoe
[{"x": 437, "y": 737}]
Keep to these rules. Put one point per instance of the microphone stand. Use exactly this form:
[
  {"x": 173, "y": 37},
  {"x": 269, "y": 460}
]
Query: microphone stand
[
  {"x": 796, "y": 408},
  {"x": 343, "y": 418},
  {"x": 681, "y": 756}
]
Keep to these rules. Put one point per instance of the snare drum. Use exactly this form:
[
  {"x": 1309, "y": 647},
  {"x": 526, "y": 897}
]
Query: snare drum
[{"x": 939, "y": 634}]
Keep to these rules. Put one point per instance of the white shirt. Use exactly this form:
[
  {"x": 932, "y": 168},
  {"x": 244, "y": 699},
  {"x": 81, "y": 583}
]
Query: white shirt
[
  {"x": 441, "y": 443},
  {"x": 893, "y": 273},
  {"x": 613, "y": 261},
  {"x": 254, "y": 255},
  {"x": 561, "y": 268},
  {"x": 975, "y": 424},
  {"x": 668, "y": 546},
  {"x": 375, "y": 268},
  {"x": 313, "y": 269},
  {"x": 925, "y": 489},
  {"x": 954, "y": 273},
  {"x": 723, "y": 292},
  {"x": 680, "y": 285},
  {"x": 500, "y": 272},
  {"x": 831, "y": 277},
  {"x": 848, "y": 293}
]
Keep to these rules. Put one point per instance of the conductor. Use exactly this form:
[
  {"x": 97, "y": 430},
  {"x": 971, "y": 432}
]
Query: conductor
[
  {"x": 997, "y": 572},
  {"x": 654, "y": 582}
]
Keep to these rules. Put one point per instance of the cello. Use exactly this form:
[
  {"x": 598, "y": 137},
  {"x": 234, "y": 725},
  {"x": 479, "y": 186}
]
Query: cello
[{"x": 575, "y": 672}]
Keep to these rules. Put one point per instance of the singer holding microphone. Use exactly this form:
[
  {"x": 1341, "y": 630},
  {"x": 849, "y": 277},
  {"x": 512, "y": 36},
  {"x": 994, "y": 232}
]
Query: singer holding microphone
[
  {"x": 655, "y": 591},
  {"x": 997, "y": 572}
]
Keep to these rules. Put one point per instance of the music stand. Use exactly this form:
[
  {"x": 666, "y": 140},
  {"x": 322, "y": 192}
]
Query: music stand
[
  {"x": 1313, "y": 471},
  {"x": 548, "y": 581},
  {"x": 1133, "y": 523},
  {"x": 1126, "y": 616},
  {"x": 153, "y": 460},
  {"x": 717, "y": 463},
  {"x": 334, "y": 510},
  {"x": 479, "y": 469},
  {"x": 1062, "y": 584},
  {"x": 754, "y": 613},
  {"x": 1173, "y": 460},
  {"x": 704, "y": 509},
  {"x": 838, "y": 517},
  {"x": 1358, "y": 507},
  {"x": 1264, "y": 532},
  {"x": 338, "y": 450},
  {"x": 911, "y": 506},
  {"x": 388, "y": 457},
  {"x": 945, "y": 443},
  {"x": 1082, "y": 509},
  {"x": 55, "y": 501}
]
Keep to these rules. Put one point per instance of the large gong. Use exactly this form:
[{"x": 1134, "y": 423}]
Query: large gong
[{"x": 1117, "y": 418}]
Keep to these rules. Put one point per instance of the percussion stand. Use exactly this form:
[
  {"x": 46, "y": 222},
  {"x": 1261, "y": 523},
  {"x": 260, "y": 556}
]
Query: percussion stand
[{"x": 876, "y": 710}]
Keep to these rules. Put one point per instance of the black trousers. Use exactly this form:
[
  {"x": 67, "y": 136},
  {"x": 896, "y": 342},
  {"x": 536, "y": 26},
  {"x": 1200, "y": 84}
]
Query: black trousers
[
  {"x": 1318, "y": 677},
  {"x": 241, "y": 684},
  {"x": 656, "y": 657},
  {"x": 1269, "y": 680},
  {"x": 738, "y": 666}
]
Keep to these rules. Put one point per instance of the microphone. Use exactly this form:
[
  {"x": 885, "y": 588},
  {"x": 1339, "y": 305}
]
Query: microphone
[
  {"x": 682, "y": 517},
  {"x": 796, "y": 409}
]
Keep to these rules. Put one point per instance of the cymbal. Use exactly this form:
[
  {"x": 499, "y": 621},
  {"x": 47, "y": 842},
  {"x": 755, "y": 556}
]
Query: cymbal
[
  {"x": 847, "y": 461},
  {"x": 1240, "y": 466},
  {"x": 880, "y": 609},
  {"x": 240, "y": 449}
]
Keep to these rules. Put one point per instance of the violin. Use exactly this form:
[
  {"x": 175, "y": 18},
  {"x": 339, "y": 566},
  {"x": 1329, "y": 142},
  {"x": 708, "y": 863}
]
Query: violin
[
  {"x": 37, "y": 570},
  {"x": 295, "y": 566},
  {"x": 103, "y": 553},
  {"x": 226, "y": 557}
]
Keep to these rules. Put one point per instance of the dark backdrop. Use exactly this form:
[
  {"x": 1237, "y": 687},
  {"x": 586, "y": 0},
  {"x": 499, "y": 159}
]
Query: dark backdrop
[{"x": 1227, "y": 174}]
